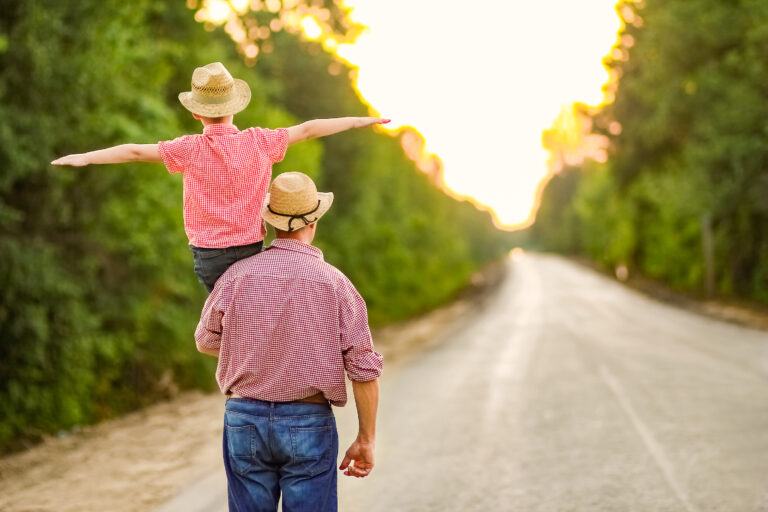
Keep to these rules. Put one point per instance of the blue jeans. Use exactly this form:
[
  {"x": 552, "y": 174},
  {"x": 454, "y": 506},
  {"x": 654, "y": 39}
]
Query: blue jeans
[
  {"x": 210, "y": 264},
  {"x": 274, "y": 447}
]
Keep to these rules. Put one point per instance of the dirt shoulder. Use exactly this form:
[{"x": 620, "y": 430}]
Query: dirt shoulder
[
  {"x": 404, "y": 339},
  {"x": 138, "y": 462},
  {"x": 740, "y": 312}
]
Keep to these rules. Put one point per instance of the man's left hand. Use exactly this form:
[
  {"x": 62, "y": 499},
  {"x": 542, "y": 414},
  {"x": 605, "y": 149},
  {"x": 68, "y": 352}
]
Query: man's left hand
[{"x": 358, "y": 461}]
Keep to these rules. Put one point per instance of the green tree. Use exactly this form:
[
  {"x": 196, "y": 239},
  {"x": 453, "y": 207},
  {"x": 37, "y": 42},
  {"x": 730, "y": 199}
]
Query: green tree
[
  {"x": 687, "y": 131},
  {"x": 98, "y": 301}
]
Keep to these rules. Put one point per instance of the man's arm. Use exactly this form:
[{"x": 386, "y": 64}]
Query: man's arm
[
  {"x": 322, "y": 127},
  {"x": 208, "y": 351},
  {"x": 114, "y": 155},
  {"x": 358, "y": 461},
  {"x": 208, "y": 332}
]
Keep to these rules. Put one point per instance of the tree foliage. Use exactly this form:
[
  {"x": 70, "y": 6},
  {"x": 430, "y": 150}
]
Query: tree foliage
[
  {"x": 98, "y": 301},
  {"x": 688, "y": 139}
]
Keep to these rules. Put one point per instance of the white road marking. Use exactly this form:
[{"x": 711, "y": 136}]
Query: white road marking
[{"x": 654, "y": 448}]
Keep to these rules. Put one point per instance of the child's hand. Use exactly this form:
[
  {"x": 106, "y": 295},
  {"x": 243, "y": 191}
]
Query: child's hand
[
  {"x": 76, "y": 160},
  {"x": 362, "y": 122}
]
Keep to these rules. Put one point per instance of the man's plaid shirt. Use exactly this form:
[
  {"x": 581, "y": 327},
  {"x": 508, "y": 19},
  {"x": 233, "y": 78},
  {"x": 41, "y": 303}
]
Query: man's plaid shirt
[{"x": 288, "y": 325}]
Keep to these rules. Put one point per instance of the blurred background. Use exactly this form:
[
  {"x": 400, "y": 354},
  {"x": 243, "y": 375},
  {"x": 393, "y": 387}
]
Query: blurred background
[
  {"x": 98, "y": 298},
  {"x": 631, "y": 135}
]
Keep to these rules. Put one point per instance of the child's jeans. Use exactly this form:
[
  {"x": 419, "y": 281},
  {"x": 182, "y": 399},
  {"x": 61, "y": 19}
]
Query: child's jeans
[{"x": 210, "y": 264}]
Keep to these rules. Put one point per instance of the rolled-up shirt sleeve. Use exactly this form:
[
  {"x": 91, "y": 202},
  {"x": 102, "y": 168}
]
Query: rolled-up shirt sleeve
[
  {"x": 361, "y": 361},
  {"x": 208, "y": 332},
  {"x": 175, "y": 153}
]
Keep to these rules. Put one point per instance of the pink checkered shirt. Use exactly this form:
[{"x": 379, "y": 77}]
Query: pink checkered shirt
[
  {"x": 287, "y": 326},
  {"x": 226, "y": 175}
]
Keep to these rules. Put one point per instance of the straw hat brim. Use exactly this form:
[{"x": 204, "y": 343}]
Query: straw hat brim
[
  {"x": 281, "y": 222},
  {"x": 241, "y": 97}
]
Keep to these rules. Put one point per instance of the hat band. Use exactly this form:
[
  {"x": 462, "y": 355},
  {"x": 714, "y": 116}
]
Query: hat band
[
  {"x": 212, "y": 100},
  {"x": 298, "y": 216}
]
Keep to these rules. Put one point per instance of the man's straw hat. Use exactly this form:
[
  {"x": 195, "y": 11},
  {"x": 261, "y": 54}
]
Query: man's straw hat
[
  {"x": 294, "y": 202},
  {"x": 215, "y": 93}
]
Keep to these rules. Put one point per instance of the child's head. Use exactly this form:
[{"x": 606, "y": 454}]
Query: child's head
[{"x": 215, "y": 95}]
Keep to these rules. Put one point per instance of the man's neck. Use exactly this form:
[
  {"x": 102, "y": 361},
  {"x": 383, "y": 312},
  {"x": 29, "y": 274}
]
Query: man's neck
[{"x": 304, "y": 236}]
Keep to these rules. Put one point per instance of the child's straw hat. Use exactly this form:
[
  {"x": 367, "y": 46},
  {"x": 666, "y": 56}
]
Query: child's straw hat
[
  {"x": 294, "y": 202},
  {"x": 215, "y": 93}
]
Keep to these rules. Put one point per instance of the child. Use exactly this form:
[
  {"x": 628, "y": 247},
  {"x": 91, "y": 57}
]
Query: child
[{"x": 226, "y": 171}]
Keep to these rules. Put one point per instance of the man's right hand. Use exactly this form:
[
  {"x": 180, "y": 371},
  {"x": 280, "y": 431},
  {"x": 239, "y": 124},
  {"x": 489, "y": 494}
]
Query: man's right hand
[{"x": 358, "y": 461}]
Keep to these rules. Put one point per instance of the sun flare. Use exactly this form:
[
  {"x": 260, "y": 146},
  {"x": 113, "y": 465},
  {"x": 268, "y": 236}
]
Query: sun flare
[{"x": 482, "y": 86}]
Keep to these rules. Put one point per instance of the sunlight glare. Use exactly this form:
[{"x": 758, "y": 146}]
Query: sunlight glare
[
  {"x": 311, "y": 28},
  {"x": 218, "y": 10},
  {"x": 483, "y": 99},
  {"x": 272, "y": 5},
  {"x": 240, "y": 5}
]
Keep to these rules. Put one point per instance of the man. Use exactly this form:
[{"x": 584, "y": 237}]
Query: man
[{"x": 286, "y": 326}]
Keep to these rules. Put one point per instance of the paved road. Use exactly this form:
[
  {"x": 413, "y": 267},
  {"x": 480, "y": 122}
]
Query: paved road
[{"x": 569, "y": 392}]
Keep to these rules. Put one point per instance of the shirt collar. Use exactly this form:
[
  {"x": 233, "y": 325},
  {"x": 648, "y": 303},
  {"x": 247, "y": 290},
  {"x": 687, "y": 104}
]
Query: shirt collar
[
  {"x": 220, "y": 129},
  {"x": 294, "y": 245}
]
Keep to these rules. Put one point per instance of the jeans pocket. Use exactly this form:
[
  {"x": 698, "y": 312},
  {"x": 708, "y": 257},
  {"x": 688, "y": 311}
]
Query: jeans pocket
[
  {"x": 240, "y": 442},
  {"x": 313, "y": 448}
]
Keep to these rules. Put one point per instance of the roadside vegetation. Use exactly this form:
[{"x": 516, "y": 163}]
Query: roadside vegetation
[
  {"x": 683, "y": 194},
  {"x": 98, "y": 301}
]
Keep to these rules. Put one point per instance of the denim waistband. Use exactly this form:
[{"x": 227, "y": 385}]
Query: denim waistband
[
  {"x": 260, "y": 243},
  {"x": 255, "y": 407}
]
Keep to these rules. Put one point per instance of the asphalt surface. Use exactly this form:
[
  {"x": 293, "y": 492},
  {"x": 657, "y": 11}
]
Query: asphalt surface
[{"x": 566, "y": 391}]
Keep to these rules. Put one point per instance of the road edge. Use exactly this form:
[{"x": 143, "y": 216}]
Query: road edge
[{"x": 734, "y": 311}]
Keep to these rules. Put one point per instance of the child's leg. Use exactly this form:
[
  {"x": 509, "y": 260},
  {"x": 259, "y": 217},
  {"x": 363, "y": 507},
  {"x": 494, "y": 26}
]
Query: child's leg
[{"x": 210, "y": 264}]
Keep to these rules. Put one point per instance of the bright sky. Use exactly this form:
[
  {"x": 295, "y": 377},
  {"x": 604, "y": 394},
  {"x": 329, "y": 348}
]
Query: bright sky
[{"x": 481, "y": 80}]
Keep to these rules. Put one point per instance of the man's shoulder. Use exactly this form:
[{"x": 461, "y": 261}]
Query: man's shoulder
[
  {"x": 341, "y": 283},
  {"x": 312, "y": 266},
  {"x": 286, "y": 265},
  {"x": 334, "y": 272}
]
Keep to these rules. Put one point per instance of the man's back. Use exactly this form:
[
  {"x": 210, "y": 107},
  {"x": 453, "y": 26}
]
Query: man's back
[
  {"x": 285, "y": 327},
  {"x": 294, "y": 324}
]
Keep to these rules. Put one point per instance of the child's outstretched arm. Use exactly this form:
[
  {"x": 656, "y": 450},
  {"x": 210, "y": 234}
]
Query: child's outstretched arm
[
  {"x": 323, "y": 127},
  {"x": 113, "y": 155}
]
